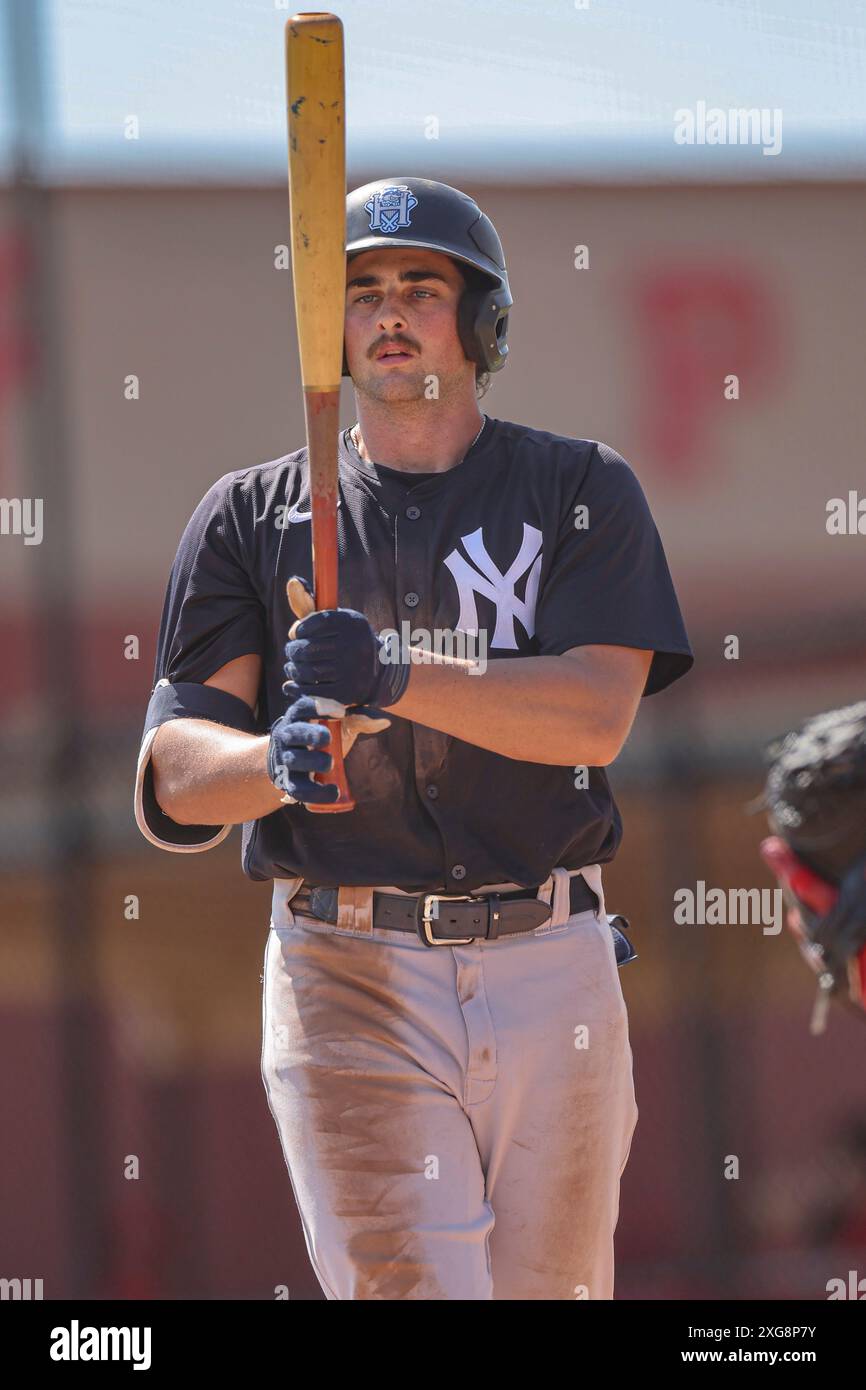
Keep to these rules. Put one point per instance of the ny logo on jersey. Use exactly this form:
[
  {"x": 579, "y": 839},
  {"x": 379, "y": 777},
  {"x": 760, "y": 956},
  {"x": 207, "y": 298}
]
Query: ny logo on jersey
[{"x": 486, "y": 579}]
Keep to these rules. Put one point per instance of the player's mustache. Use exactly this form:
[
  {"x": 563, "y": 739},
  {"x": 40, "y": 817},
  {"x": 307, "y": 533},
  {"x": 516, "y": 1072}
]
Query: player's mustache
[{"x": 394, "y": 343}]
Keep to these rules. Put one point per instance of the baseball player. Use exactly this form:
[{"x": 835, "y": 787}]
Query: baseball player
[
  {"x": 445, "y": 1041},
  {"x": 815, "y": 799}
]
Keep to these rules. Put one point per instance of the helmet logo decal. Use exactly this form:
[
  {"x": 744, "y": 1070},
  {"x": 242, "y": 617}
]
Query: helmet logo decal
[{"x": 390, "y": 208}]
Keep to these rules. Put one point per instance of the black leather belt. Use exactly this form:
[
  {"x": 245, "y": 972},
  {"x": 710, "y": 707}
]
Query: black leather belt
[{"x": 441, "y": 920}]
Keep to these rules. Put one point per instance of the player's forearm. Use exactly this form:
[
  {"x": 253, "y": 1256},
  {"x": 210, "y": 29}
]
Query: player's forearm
[
  {"x": 534, "y": 709},
  {"x": 208, "y": 774}
]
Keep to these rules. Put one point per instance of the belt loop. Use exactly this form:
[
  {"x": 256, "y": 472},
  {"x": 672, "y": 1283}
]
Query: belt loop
[
  {"x": 560, "y": 906},
  {"x": 592, "y": 875},
  {"x": 545, "y": 890},
  {"x": 281, "y": 904},
  {"x": 355, "y": 910}
]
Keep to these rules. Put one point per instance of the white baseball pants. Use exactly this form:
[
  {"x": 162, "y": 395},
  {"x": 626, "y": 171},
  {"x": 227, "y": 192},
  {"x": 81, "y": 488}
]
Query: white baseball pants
[{"x": 455, "y": 1120}]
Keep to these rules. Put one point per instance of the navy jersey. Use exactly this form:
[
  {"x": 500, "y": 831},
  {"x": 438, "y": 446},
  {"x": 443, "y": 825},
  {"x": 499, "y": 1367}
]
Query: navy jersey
[{"x": 536, "y": 542}]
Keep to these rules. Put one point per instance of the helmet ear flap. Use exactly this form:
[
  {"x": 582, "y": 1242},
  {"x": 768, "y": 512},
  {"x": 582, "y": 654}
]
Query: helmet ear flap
[
  {"x": 482, "y": 320},
  {"x": 487, "y": 328},
  {"x": 468, "y": 311}
]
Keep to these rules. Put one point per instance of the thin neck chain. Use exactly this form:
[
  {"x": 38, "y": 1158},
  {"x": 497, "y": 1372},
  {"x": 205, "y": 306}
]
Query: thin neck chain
[{"x": 354, "y": 438}]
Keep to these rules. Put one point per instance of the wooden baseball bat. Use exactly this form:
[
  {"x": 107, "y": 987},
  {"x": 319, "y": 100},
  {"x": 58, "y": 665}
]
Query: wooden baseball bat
[{"x": 315, "y": 92}]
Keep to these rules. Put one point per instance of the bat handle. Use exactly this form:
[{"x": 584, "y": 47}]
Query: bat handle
[
  {"x": 337, "y": 774},
  {"x": 302, "y": 605}
]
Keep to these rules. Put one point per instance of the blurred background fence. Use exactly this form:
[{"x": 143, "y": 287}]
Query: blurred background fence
[{"x": 138, "y": 1157}]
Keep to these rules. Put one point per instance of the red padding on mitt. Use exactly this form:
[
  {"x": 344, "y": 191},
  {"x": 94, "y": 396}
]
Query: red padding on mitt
[{"x": 813, "y": 891}]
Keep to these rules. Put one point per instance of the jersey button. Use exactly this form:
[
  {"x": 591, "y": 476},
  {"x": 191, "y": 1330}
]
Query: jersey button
[
  {"x": 432, "y": 792},
  {"x": 411, "y": 599},
  {"x": 413, "y": 513},
  {"x": 458, "y": 871}
]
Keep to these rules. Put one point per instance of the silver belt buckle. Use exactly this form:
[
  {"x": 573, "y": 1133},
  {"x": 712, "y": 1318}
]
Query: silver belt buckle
[{"x": 430, "y": 914}]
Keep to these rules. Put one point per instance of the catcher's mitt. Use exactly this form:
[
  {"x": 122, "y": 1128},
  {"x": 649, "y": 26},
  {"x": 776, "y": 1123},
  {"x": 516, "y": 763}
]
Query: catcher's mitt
[{"x": 815, "y": 798}]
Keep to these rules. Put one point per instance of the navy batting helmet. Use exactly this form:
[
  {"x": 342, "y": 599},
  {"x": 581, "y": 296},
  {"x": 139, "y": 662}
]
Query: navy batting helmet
[{"x": 404, "y": 211}]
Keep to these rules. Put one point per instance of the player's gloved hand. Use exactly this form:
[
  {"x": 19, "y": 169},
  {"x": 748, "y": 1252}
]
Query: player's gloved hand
[
  {"x": 334, "y": 654},
  {"x": 298, "y": 747}
]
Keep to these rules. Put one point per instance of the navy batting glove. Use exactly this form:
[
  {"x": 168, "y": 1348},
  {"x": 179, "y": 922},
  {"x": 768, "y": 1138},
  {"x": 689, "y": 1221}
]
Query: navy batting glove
[
  {"x": 298, "y": 748},
  {"x": 336, "y": 655}
]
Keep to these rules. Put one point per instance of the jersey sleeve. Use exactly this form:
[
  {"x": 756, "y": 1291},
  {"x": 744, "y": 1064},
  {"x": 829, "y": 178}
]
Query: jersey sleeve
[
  {"x": 211, "y": 615},
  {"x": 609, "y": 583}
]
